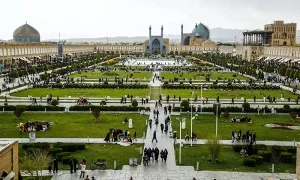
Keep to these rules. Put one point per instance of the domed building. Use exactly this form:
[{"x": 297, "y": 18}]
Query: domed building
[
  {"x": 199, "y": 35},
  {"x": 26, "y": 33}
]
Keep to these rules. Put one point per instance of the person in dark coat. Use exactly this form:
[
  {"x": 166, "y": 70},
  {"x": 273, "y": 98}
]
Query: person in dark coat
[
  {"x": 71, "y": 165},
  {"x": 165, "y": 155},
  {"x": 106, "y": 139},
  {"x": 156, "y": 151},
  {"x": 154, "y": 136},
  {"x": 55, "y": 165},
  {"x": 162, "y": 155},
  {"x": 162, "y": 127},
  {"x": 75, "y": 165}
]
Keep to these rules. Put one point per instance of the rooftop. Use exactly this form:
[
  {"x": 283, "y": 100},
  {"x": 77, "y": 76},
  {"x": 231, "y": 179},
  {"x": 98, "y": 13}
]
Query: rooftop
[{"x": 4, "y": 144}]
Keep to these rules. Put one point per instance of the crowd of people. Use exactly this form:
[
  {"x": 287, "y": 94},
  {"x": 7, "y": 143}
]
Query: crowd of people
[
  {"x": 118, "y": 133},
  {"x": 81, "y": 101},
  {"x": 248, "y": 137},
  {"x": 34, "y": 126},
  {"x": 154, "y": 155},
  {"x": 244, "y": 119}
]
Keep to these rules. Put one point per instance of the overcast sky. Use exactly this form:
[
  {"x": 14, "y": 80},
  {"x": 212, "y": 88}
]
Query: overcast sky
[{"x": 99, "y": 18}]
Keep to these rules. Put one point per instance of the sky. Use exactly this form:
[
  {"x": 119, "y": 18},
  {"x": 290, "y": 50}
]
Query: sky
[{"x": 101, "y": 18}]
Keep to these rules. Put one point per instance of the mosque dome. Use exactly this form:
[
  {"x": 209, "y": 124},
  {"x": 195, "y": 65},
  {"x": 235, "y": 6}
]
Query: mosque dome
[
  {"x": 26, "y": 33},
  {"x": 201, "y": 31}
]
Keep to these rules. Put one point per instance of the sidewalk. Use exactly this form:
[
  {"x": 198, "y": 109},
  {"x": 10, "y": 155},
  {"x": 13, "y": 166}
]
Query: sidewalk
[
  {"x": 160, "y": 137},
  {"x": 145, "y": 173}
]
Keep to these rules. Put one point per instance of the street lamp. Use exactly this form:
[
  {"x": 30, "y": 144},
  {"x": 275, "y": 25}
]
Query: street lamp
[
  {"x": 192, "y": 115},
  {"x": 201, "y": 91},
  {"x": 180, "y": 126},
  {"x": 217, "y": 116}
]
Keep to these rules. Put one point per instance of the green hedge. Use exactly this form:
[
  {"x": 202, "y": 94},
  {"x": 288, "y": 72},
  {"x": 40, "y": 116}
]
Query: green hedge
[
  {"x": 276, "y": 150},
  {"x": 66, "y": 159},
  {"x": 293, "y": 160},
  {"x": 258, "y": 147},
  {"x": 267, "y": 155},
  {"x": 93, "y": 86},
  {"x": 250, "y": 162},
  {"x": 220, "y": 86},
  {"x": 292, "y": 150},
  {"x": 43, "y": 146},
  {"x": 286, "y": 157},
  {"x": 61, "y": 155},
  {"x": 54, "y": 151},
  {"x": 258, "y": 159},
  {"x": 237, "y": 148},
  {"x": 69, "y": 147},
  {"x": 106, "y": 108},
  {"x": 34, "y": 108}
]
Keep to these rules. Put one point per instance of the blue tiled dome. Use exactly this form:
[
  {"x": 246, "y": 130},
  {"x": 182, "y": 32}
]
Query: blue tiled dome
[
  {"x": 26, "y": 33},
  {"x": 201, "y": 31}
]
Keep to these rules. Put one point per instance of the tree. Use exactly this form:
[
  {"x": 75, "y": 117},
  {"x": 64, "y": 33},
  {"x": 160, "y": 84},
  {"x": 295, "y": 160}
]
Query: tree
[
  {"x": 226, "y": 115},
  {"x": 34, "y": 162},
  {"x": 293, "y": 116},
  {"x": 185, "y": 104},
  {"x": 54, "y": 102},
  {"x": 96, "y": 113},
  {"x": 19, "y": 111},
  {"x": 135, "y": 103},
  {"x": 214, "y": 148}
]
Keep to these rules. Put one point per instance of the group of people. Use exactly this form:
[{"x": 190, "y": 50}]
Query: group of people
[
  {"x": 73, "y": 167},
  {"x": 247, "y": 137},
  {"x": 244, "y": 119},
  {"x": 154, "y": 154},
  {"x": 82, "y": 101},
  {"x": 118, "y": 133},
  {"x": 34, "y": 126}
]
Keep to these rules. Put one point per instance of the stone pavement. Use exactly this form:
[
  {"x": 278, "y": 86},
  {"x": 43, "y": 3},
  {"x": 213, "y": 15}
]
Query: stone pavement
[{"x": 146, "y": 173}]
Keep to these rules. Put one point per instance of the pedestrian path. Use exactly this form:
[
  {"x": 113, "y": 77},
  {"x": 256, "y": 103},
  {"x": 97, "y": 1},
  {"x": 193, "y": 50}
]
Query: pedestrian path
[
  {"x": 162, "y": 174},
  {"x": 149, "y": 135}
]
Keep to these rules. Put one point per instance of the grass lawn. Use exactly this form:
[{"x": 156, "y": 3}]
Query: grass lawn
[
  {"x": 228, "y": 161},
  {"x": 72, "y": 125},
  {"x": 109, "y": 152},
  {"x": 205, "y": 126},
  {"x": 248, "y": 94},
  {"x": 114, "y": 93},
  {"x": 122, "y": 74},
  {"x": 200, "y": 75}
]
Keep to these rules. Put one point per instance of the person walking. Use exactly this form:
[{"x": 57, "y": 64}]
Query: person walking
[
  {"x": 83, "y": 166},
  {"x": 154, "y": 136},
  {"x": 156, "y": 153},
  {"x": 165, "y": 155},
  {"x": 162, "y": 127},
  {"x": 55, "y": 165},
  {"x": 75, "y": 165},
  {"x": 71, "y": 165},
  {"x": 162, "y": 155}
]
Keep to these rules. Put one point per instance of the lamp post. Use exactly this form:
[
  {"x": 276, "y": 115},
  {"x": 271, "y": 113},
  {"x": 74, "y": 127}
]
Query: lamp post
[
  {"x": 201, "y": 91},
  {"x": 217, "y": 116},
  {"x": 192, "y": 116},
  {"x": 180, "y": 126}
]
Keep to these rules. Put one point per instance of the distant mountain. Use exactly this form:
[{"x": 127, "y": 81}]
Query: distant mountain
[{"x": 216, "y": 34}]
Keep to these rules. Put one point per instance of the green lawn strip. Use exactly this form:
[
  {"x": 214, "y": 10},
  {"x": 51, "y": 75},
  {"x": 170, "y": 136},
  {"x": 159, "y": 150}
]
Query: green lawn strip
[
  {"x": 227, "y": 161},
  {"x": 109, "y": 152},
  {"x": 72, "y": 125},
  {"x": 205, "y": 126},
  {"x": 198, "y": 75},
  {"x": 113, "y": 93},
  {"x": 248, "y": 94},
  {"x": 121, "y": 74}
]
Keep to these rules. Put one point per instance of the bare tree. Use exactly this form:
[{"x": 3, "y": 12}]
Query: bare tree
[
  {"x": 293, "y": 116},
  {"x": 214, "y": 148},
  {"x": 34, "y": 162},
  {"x": 226, "y": 115},
  {"x": 96, "y": 113}
]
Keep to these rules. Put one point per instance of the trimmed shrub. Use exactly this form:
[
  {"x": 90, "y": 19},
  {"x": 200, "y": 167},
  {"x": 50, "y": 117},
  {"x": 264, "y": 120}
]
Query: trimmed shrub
[
  {"x": 276, "y": 150},
  {"x": 286, "y": 157},
  {"x": 54, "y": 151},
  {"x": 250, "y": 162},
  {"x": 293, "y": 160},
  {"x": 54, "y": 102},
  {"x": 135, "y": 103},
  {"x": 258, "y": 159},
  {"x": 246, "y": 105},
  {"x": 66, "y": 159},
  {"x": 258, "y": 147},
  {"x": 106, "y": 108},
  {"x": 292, "y": 150},
  {"x": 62, "y": 154},
  {"x": 286, "y": 106},
  {"x": 80, "y": 146},
  {"x": 44, "y": 146},
  {"x": 237, "y": 148},
  {"x": 184, "y": 104},
  {"x": 267, "y": 155}
]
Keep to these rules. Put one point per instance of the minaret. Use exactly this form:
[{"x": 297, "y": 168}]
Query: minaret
[
  {"x": 196, "y": 28},
  {"x": 162, "y": 31},
  {"x": 149, "y": 32},
  {"x": 181, "y": 34}
]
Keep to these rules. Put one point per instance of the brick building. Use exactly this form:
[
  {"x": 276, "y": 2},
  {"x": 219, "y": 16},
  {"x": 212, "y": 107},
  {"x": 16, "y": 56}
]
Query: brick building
[{"x": 9, "y": 159}]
